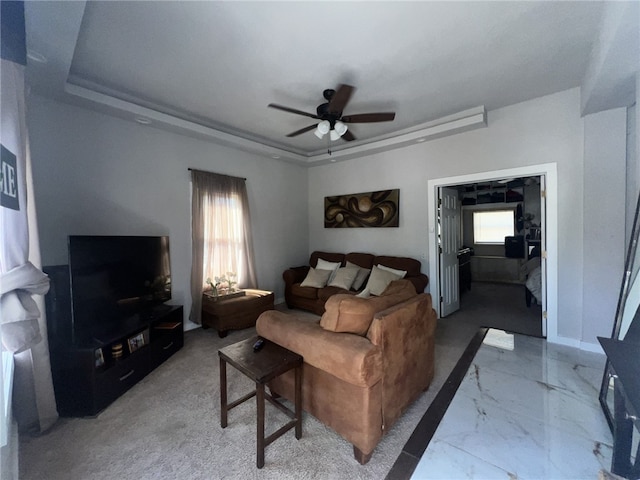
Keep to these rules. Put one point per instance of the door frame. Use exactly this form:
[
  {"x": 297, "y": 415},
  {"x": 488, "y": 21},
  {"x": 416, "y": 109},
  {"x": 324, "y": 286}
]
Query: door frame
[{"x": 549, "y": 170}]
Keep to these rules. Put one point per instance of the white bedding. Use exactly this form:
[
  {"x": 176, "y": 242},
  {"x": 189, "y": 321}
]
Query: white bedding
[
  {"x": 534, "y": 284},
  {"x": 533, "y": 272}
]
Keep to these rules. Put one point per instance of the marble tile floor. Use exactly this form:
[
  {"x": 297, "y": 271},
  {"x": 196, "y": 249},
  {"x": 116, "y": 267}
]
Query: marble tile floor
[{"x": 525, "y": 409}]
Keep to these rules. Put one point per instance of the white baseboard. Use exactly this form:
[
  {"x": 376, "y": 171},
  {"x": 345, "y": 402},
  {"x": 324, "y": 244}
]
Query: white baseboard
[{"x": 572, "y": 342}]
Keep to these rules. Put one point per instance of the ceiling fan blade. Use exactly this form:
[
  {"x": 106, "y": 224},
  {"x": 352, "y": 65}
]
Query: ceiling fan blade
[
  {"x": 301, "y": 131},
  {"x": 348, "y": 136},
  {"x": 340, "y": 99},
  {"x": 369, "y": 117},
  {"x": 292, "y": 110}
]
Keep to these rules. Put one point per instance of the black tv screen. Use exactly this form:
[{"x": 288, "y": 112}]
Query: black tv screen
[{"x": 114, "y": 280}]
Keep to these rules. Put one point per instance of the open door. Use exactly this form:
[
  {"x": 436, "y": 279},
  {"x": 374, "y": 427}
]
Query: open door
[
  {"x": 543, "y": 250},
  {"x": 448, "y": 244}
]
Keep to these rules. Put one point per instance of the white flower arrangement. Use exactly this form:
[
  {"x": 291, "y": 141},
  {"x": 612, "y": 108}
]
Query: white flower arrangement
[{"x": 223, "y": 284}]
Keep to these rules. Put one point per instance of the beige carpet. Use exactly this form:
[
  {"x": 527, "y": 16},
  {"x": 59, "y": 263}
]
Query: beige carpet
[{"x": 168, "y": 425}]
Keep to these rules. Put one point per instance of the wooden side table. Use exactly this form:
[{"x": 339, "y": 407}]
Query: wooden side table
[
  {"x": 261, "y": 366},
  {"x": 236, "y": 311}
]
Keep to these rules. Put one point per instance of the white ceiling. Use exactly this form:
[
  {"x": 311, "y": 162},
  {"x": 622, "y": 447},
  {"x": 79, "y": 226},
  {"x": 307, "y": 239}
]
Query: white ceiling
[{"x": 214, "y": 66}]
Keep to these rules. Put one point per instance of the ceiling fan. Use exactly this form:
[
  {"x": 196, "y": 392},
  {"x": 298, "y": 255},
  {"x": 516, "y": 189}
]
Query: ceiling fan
[{"x": 330, "y": 115}]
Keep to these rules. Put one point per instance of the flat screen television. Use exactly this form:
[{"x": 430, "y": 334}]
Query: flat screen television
[{"x": 115, "y": 282}]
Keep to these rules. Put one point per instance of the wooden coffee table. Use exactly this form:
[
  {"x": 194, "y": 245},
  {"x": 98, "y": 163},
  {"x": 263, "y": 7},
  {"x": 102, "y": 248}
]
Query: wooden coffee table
[{"x": 261, "y": 366}]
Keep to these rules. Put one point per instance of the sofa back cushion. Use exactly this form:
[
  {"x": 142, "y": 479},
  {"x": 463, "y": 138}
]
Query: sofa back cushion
[
  {"x": 328, "y": 256},
  {"x": 351, "y": 314},
  {"x": 367, "y": 260},
  {"x": 364, "y": 260}
]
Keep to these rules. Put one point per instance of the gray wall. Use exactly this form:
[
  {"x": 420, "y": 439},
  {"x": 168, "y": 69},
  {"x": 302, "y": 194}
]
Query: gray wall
[
  {"x": 604, "y": 218},
  {"x": 97, "y": 174},
  {"x": 544, "y": 130}
]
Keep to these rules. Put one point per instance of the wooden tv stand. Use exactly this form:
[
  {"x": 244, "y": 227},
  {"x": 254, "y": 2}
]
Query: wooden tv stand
[{"x": 89, "y": 376}]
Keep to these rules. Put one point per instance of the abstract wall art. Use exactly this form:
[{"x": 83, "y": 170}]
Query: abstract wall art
[{"x": 370, "y": 209}]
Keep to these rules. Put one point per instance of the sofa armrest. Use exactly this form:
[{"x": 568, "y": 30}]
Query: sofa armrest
[
  {"x": 294, "y": 275},
  {"x": 349, "y": 357},
  {"x": 406, "y": 335},
  {"x": 420, "y": 282}
]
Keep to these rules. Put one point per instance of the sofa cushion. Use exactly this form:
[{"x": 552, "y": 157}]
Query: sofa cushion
[
  {"x": 327, "y": 292},
  {"x": 361, "y": 277},
  {"x": 351, "y": 358},
  {"x": 304, "y": 292},
  {"x": 379, "y": 280},
  {"x": 364, "y": 260},
  {"x": 344, "y": 277},
  {"x": 316, "y": 278},
  {"x": 352, "y": 314}
]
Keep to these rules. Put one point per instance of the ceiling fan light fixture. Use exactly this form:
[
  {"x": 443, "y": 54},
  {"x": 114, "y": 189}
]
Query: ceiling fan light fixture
[
  {"x": 329, "y": 115},
  {"x": 340, "y": 128},
  {"x": 322, "y": 129}
]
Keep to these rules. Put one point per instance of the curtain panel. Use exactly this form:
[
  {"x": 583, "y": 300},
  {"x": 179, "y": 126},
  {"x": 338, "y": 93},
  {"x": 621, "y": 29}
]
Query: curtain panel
[
  {"x": 23, "y": 324},
  {"x": 220, "y": 234}
]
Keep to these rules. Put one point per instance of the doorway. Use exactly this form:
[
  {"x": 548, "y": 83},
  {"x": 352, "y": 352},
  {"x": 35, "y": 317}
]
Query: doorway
[{"x": 548, "y": 248}]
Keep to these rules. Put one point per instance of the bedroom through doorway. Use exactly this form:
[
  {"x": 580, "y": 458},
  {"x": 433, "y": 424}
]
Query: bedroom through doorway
[{"x": 489, "y": 235}]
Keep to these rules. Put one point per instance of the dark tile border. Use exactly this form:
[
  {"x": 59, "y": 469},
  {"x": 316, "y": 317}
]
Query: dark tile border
[{"x": 415, "y": 447}]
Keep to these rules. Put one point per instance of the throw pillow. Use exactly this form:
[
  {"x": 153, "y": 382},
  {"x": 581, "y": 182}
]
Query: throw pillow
[
  {"x": 379, "y": 280},
  {"x": 362, "y": 275},
  {"x": 344, "y": 277},
  {"x": 325, "y": 265},
  {"x": 316, "y": 278},
  {"x": 401, "y": 273}
]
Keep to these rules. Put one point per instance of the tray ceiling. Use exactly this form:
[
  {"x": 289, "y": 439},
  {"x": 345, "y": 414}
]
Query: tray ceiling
[{"x": 216, "y": 65}]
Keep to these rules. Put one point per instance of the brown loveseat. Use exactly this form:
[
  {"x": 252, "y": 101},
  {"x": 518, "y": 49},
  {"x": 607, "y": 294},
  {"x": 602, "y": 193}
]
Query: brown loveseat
[
  {"x": 313, "y": 299},
  {"x": 365, "y": 361}
]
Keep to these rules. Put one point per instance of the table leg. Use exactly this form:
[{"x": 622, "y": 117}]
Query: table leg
[
  {"x": 298, "y": 401},
  {"x": 260, "y": 429},
  {"x": 223, "y": 393}
]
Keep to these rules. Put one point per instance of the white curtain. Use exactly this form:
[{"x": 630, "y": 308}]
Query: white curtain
[
  {"x": 221, "y": 234},
  {"x": 23, "y": 326}
]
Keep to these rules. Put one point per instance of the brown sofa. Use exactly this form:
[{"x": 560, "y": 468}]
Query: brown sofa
[
  {"x": 365, "y": 361},
  {"x": 313, "y": 299}
]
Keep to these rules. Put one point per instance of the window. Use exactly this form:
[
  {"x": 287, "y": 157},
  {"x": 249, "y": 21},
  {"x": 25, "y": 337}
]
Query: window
[
  {"x": 491, "y": 227},
  {"x": 224, "y": 243},
  {"x": 220, "y": 234}
]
